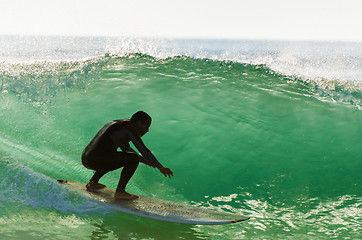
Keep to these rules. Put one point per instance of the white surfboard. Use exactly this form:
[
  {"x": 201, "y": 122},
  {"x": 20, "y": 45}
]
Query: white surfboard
[{"x": 157, "y": 208}]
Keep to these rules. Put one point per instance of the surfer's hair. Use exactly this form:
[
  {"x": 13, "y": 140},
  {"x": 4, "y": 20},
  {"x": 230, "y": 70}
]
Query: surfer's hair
[{"x": 140, "y": 116}]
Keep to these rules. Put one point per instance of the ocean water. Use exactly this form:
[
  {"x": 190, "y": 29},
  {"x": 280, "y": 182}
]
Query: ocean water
[{"x": 268, "y": 129}]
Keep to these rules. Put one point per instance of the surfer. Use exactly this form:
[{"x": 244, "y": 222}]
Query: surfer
[{"x": 102, "y": 154}]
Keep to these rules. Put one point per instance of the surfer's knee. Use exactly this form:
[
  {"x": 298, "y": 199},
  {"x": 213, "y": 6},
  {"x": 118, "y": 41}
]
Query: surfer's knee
[
  {"x": 136, "y": 159},
  {"x": 134, "y": 162}
]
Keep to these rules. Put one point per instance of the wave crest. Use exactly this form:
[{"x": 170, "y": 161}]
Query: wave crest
[{"x": 38, "y": 83}]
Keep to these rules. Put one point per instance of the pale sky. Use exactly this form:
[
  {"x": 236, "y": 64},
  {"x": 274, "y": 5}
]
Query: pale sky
[{"x": 335, "y": 20}]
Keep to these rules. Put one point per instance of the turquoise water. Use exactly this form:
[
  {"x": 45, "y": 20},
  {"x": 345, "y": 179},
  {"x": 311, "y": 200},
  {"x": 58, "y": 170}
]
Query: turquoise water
[{"x": 244, "y": 129}]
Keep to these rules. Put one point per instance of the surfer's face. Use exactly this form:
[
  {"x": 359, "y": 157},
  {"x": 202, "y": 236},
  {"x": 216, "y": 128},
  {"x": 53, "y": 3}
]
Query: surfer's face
[{"x": 143, "y": 127}]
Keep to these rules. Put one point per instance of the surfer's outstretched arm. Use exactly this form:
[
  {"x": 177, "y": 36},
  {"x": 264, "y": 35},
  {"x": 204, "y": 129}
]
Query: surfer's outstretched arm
[{"x": 147, "y": 157}]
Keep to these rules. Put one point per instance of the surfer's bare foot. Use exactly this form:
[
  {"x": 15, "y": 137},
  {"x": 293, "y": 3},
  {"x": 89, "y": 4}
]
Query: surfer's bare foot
[
  {"x": 94, "y": 185},
  {"x": 124, "y": 196}
]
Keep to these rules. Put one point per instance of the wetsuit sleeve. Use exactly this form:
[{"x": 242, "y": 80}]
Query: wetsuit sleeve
[
  {"x": 127, "y": 148},
  {"x": 146, "y": 153}
]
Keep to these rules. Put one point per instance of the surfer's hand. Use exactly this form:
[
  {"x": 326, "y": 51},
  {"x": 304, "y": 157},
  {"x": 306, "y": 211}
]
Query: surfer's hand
[{"x": 167, "y": 172}]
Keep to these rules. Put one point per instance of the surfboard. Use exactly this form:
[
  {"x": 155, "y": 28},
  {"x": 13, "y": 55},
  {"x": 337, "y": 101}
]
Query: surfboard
[{"x": 155, "y": 208}]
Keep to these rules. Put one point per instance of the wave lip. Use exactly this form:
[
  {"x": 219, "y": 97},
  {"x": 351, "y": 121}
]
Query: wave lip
[
  {"x": 331, "y": 69},
  {"x": 39, "y": 82}
]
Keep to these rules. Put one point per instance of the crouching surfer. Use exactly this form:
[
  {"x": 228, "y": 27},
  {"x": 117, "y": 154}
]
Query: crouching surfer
[{"x": 102, "y": 154}]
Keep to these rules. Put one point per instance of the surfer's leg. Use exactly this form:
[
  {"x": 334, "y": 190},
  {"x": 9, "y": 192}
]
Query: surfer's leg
[
  {"x": 97, "y": 175},
  {"x": 130, "y": 166},
  {"x": 131, "y": 163},
  {"x": 105, "y": 163}
]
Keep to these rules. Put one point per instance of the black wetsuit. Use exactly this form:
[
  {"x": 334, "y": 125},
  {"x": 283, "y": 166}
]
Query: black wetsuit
[{"x": 102, "y": 153}]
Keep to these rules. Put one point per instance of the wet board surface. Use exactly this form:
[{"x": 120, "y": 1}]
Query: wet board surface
[{"x": 157, "y": 208}]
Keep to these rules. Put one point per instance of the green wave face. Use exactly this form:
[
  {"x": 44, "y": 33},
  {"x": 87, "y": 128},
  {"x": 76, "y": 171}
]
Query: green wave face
[{"x": 238, "y": 137}]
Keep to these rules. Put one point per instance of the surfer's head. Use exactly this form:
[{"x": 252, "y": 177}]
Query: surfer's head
[{"x": 141, "y": 121}]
